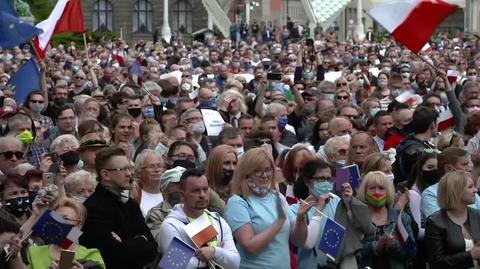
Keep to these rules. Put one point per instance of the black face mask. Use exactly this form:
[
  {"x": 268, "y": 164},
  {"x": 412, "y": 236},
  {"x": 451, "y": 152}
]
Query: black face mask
[
  {"x": 32, "y": 195},
  {"x": 59, "y": 101},
  {"x": 135, "y": 112},
  {"x": 184, "y": 163},
  {"x": 70, "y": 158},
  {"x": 18, "y": 206},
  {"x": 174, "y": 198},
  {"x": 431, "y": 177},
  {"x": 227, "y": 176}
]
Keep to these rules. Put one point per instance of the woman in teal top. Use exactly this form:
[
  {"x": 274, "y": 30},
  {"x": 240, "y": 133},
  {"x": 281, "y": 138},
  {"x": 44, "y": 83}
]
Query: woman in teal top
[
  {"x": 41, "y": 257},
  {"x": 258, "y": 214},
  {"x": 314, "y": 184}
]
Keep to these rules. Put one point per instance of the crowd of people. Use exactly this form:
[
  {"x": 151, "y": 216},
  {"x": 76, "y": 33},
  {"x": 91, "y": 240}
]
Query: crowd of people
[{"x": 115, "y": 142}]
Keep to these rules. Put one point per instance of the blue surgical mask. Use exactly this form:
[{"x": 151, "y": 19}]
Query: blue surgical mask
[
  {"x": 148, "y": 112},
  {"x": 282, "y": 123},
  {"x": 374, "y": 111},
  {"x": 329, "y": 96},
  {"x": 321, "y": 188},
  {"x": 308, "y": 75}
]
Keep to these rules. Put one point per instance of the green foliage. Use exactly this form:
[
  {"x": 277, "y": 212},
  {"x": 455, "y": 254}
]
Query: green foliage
[
  {"x": 41, "y": 9},
  {"x": 95, "y": 37}
]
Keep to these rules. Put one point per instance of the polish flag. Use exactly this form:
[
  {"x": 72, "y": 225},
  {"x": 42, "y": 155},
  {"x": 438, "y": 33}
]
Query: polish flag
[
  {"x": 72, "y": 237},
  {"x": 67, "y": 16},
  {"x": 411, "y": 22},
  {"x": 201, "y": 230},
  {"x": 407, "y": 242},
  {"x": 445, "y": 119}
]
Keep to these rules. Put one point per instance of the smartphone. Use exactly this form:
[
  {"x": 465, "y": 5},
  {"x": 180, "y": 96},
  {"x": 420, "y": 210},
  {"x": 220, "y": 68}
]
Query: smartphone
[
  {"x": 274, "y": 76},
  {"x": 55, "y": 166},
  {"x": 66, "y": 259},
  {"x": 48, "y": 178}
]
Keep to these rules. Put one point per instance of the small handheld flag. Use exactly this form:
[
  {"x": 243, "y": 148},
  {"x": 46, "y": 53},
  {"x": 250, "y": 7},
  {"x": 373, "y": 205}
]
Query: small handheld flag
[
  {"x": 25, "y": 80},
  {"x": 404, "y": 238},
  {"x": 14, "y": 31},
  {"x": 332, "y": 239},
  {"x": 201, "y": 230},
  {"x": 347, "y": 174},
  {"x": 177, "y": 256},
  {"x": 52, "y": 228}
]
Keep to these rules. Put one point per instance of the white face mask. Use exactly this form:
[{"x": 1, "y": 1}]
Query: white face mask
[
  {"x": 346, "y": 136},
  {"x": 391, "y": 177},
  {"x": 239, "y": 152},
  {"x": 186, "y": 87}
]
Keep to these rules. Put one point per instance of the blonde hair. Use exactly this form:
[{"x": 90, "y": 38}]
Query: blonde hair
[
  {"x": 77, "y": 207},
  {"x": 250, "y": 161},
  {"x": 60, "y": 140},
  {"x": 214, "y": 171},
  {"x": 380, "y": 178},
  {"x": 374, "y": 162},
  {"x": 235, "y": 93},
  {"x": 450, "y": 189},
  {"x": 331, "y": 147}
]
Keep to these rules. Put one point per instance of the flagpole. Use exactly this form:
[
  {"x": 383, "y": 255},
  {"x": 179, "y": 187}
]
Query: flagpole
[{"x": 318, "y": 211}]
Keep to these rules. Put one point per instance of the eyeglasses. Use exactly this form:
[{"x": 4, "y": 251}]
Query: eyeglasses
[
  {"x": 344, "y": 97},
  {"x": 341, "y": 84},
  {"x": 260, "y": 172},
  {"x": 79, "y": 78},
  {"x": 36, "y": 101},
  {"x": 472, "y": 74},
  {"x": 153, "y": 166},
  {"x": 66, "y": 118},
  {"x": 351, "y": 116},
  {"x": 121, "y": 169},
  {"x": 9, "y": 155}
]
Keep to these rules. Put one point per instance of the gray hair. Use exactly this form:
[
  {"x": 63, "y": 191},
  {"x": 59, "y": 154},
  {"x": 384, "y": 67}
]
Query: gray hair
[
  {"x": 152, "y": 86},
  {"x": 10, "y": 140},
  {"x": 80, "y": 176},
  {"x": 274, "y": 108},
  {"x": 185, "y": 115},
  {"x": 79, "y": 102},
  {"x": 23, "y": 168},
  {"x": 15, "y": 119},
  {"x": 235, "y": 93},
  {"x": 143, "y": 156},
  {"x": 60, "y": 140}
]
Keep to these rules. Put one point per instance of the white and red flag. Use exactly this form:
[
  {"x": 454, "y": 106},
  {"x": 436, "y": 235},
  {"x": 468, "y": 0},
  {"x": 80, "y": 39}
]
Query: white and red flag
[
  {"x": 67, "y": 16},
  {"x": 411, "y": 22}
]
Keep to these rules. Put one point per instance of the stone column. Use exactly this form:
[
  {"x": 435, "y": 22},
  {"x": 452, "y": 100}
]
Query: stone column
[
  {"x": 247, "y": 12},
  {"x": 166, "y": 32},
  {"x": 360, "y": 32}
]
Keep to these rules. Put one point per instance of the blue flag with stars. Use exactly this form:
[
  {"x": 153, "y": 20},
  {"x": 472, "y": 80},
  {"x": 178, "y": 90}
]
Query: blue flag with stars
[
  {"x": 25, "y": 80},
  {"x": 7, "y": 6},
  {"x": 52, "y": 228},
  {"x": 177, "y": 255},
  {"x": 14, "y": 31},
  {"x": 332, "y": 239}
]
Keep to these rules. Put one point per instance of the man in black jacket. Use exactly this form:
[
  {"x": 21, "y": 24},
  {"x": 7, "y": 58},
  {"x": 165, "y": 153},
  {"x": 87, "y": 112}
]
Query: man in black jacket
[{"x": 115, "y": 224}]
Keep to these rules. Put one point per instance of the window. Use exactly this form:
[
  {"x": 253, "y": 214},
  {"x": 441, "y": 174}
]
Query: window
[
  {"x": 181, "y": 16},
  {"x": 142, "y": 16},
  {"x": 102, "y": 16}
]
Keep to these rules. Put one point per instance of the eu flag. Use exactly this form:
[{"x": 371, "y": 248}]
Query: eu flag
[
  {"x": 7, "y": 6},
  {"x": 14, "y": 31},
  {"x": 347, "y": 174},
  {"x": 52, "y": 228},
  {"x": 177, "y": 255},
  {"x": 332, "y": 238},
  {"x": 25, "y": 80}
]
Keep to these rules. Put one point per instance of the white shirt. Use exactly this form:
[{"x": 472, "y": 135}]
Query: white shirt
[
  {"x": 149, "y": 200},
  {"x": 380, "y": 143}
]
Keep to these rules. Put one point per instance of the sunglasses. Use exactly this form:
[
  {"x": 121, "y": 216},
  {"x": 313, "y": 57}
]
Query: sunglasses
[
  {"x": 344, "y": 97},
  {"x": 36, "y": 101},
  {"x": 341, "y": 84},
  {"x": 80, "y": 78},
  {"x": 9, "y": 154}
]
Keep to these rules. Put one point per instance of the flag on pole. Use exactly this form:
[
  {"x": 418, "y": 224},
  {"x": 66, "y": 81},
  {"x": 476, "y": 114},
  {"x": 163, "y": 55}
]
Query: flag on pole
[
  {"x": 67, "y": 16},
  {"x": 201, "y": 230},
  {"x": 347, "y": 174},
  {"x": 411, "y": 22},
  {"x": 52, "y": 228},
  {"x": 445, "y": 119},
  {"x": 14, "y": 31},
  {"x": 332, "y": 239},
  {"x": 404, "y": 238},
  {"x": 177, "y": 256},
  {"x": 25, "y": 80},
  {"x": 7, "y": 6}
]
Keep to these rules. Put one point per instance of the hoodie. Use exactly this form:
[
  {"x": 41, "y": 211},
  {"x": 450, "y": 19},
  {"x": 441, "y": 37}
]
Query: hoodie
[{"x": 173, "y": 226}]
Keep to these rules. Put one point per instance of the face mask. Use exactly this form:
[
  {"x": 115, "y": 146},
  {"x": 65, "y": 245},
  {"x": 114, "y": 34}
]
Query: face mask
[
  {"x": 227, "y": 176},
  {"x": 346, "y": 136},
  {"x": 148, "y": 112},
  {"x": 70, "y": 158},
  {"x": 321, "y": 188},
  {"x": 135, "y": 112},
  {"x": 26, "y": 137},
  {"x": 362, "y": 81},
  {"x": 374, "y": 111},
  {"x": 377, "y": 199},
  {"x": 79, "y": 199},
  {"x": 406, "y": 75},
  {"x": 443, "y": 97},
  {"x": 18, "y": 206},
  {"x": 472, "y": 78},
  {"x": 293, "y": 64},
  {"x": 174, "y": 198},
  {"x": 162, "y": 66},
  {"x": 396, "y": 92},
  {"x": 247, "y": 66},
  {"x": 36, "y": 108},
  {"x": 282, "y": 123},
  {"x": 329, "y": 96},
  {"x": 186, "y": 87},
  {"x": 308, "y": 75},
  {"x": 32, "y": 195},
  {"x": 431, "y": 177},
  {"x": 391, "y": 177},
  {"x": 261, "y": 191},
  {"x": 386, "y": 69},
  {"x": 236, "y": 64},
  {"x": 341, "y": 162},
  {"x": 209, "y": 104},
  {"x": 198, "y": 128},
  {"x": 239, "y": 151},
  {"x": 382, "y": 84},
  {"x": 184, "y": 163},
  {"x": 116, "y": 65},
  {"x": 214, "y": 95},
  {"x": 473, "y": 109}
]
